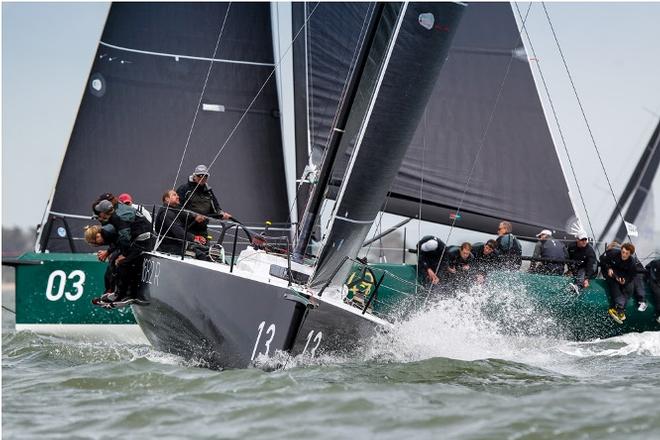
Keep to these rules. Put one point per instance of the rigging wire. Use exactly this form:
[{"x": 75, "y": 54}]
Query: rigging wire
[
  {"x": 421, "y": 196},
  {"x": 584, "y": 116},
  {"x": 342, "y": 96},
  {"x": 482, "y": 142},
  {"x": 192, "y": 126},
  {"x": 245, "y": 112},
  {"x": 559, "y": 128}
]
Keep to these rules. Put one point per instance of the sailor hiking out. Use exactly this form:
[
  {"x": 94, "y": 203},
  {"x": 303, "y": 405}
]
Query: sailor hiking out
[{"x": 134, "y": 236}]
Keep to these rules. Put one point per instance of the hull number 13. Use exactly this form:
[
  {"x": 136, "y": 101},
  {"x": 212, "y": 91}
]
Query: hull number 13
[{"x": 270, "y": 334}]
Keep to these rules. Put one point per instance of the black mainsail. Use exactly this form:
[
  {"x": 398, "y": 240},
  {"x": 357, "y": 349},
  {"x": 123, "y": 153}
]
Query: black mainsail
[{"x": 138, "y": 108}]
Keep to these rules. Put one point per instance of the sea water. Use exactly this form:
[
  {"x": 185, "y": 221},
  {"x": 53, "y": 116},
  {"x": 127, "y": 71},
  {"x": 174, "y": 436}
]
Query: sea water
[{"x": 451, "y": 371}]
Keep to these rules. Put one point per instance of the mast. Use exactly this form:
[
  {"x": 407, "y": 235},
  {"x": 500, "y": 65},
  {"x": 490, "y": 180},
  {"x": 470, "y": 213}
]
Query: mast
[
  {"x": 318, "y": 193},
  {"x": 637, "y": 187}
]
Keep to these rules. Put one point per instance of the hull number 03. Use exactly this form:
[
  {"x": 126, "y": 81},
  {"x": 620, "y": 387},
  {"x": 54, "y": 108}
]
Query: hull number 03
[
  {"x": 55, "y": 289},
  {"x": 270, "y": 334}
]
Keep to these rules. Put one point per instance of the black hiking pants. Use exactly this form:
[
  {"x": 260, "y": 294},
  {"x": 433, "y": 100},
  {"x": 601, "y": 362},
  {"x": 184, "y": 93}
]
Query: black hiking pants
[
  {"x": 640, "y": 289},
  {"x": 655, "y": 290},
  {"x": 619, "y": 294}
]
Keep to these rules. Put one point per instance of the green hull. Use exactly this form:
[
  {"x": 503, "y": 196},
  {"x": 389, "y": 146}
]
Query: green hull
[
  {"x": 60, "y": 291},
  {"x": 579, "y": 317}
]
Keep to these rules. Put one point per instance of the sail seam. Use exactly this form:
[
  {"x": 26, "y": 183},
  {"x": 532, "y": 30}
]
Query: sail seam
[{"x": 185, "y": 57}]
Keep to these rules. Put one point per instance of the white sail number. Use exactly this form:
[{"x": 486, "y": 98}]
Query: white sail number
[
  {"x": 316, "y": 339},
  {"x": 57, "y": 284},
  {"x": 269, "y": 332}
]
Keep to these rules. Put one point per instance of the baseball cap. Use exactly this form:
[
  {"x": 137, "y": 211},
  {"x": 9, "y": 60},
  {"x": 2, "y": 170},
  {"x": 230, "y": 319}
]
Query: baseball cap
[
  {"x": 201, "y": 169},
  {"x": 429, "y": 246},
  {"x": 125, "y": 198},
  {"x": 103, "y": 206}
]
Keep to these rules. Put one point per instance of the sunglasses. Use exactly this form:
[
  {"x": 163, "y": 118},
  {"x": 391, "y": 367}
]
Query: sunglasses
[{"x": 202, "y": 176}]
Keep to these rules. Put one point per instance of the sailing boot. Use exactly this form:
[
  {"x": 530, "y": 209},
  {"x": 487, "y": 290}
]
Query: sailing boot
[{"x": 614, "y": 314}]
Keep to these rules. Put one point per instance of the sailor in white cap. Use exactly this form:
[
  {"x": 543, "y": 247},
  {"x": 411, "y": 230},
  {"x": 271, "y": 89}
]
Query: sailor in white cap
[
  {"x": 585, "y": 263},
  {"x": 547, "y": 248},
  {"x": 430, "y": 251}
]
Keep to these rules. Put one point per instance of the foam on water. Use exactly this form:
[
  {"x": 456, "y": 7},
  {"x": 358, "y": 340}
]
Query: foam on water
[
  {"x": 641, "y": 344},
  {"x": 503, "y": 323}
]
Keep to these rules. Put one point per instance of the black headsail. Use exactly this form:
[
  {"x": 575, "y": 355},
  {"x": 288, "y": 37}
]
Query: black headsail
[
  {"x": 139, "y": 104},
  {"x": 404, "y": 60}
]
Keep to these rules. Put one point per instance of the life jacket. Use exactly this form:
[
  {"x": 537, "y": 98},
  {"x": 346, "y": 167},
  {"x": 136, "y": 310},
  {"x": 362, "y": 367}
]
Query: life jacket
[{"x": 553, "y": 249}]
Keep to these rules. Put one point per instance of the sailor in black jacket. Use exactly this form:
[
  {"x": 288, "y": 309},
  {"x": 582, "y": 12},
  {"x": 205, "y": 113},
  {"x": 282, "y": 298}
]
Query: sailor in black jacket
[
  {"x": 653, "y": 277},
  {"x": 460, "y": 266},
  {"x": 585, "y": 266},
  {"x": 430, "y": 253},
  {"x": 196, "y": 195},
  {"x": 171, "y": 223},
  {"x": 619, "y": 269},
  {"x": 486, "y": 257}
]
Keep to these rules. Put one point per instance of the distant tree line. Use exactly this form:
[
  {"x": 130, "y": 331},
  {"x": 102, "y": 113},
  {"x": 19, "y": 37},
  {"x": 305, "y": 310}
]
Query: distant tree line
[{"x": 15, "y": 241}]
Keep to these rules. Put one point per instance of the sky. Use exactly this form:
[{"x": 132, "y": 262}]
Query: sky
[{"x": 612, "y": 51}]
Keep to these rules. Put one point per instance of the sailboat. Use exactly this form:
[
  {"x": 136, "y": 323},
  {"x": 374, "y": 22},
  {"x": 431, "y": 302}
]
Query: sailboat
[
  {"x": 144, "y": 83},
  {"x": 534, "y": 197},
  {"x": 229, "y": 315}
]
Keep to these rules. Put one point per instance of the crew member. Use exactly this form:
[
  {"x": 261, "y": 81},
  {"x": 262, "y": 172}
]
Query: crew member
[
  {"x": 485, "y": 259},
  {"x": 619, "y": 270},
  {"x": 459, "y": 266},
  {"x": 508, "y": 246},
  {"x": 653, "y": 277},
  {"x": 547, "y": 248},
  {"x": 584, "y": 265},
  {"x": 133, "y": 238},
  {"x": 196, "y": 195},
  {"x": 171, "y": 222},
  {"x": 97, "y": 235},
  {"x": 430, "y": 252}
]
